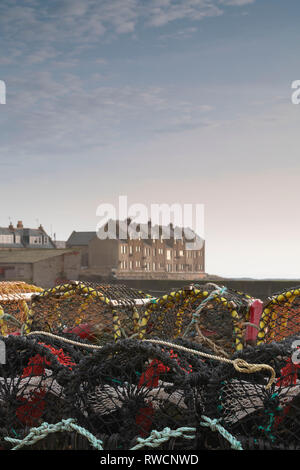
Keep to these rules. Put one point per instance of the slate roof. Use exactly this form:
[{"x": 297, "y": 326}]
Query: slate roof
[
  {"x": 24, "y": 234},
  {"x": 80, "y": 238},
  {"x": 29, "y": 255}
]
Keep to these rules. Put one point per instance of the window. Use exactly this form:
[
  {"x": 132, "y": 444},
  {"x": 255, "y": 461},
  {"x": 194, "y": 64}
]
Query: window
[
  {"x": 168, "y": 254},
  {"x": 130, "y": 264},
  {"x": 169, "y": 267},
  {"x": 138, "y": 264},
  {"x": 123, "y": 249},
  {"x": 154, "y": 266},
  {"x": 138, "y": 248},
  {"x": 34, "y": 240},
  {"x": 154, "y": 251},
  {"x": 123, "y": 265},
  {"x": 180, "y": 252},
  {"x": 6, "y": 238},
  {"x": 130, "y": 250}
]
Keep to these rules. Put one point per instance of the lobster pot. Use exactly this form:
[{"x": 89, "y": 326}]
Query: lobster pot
[
  {"x": 98, "y": 313},
  {"x": 281, "y": 316},
  {"x": 32, "y": 384},
  {"x": 257, "y": 416},
  {"x": 222, "y": 318},
  {"x": 15, "y": 304},
  {"x": 130, "y": 388}
]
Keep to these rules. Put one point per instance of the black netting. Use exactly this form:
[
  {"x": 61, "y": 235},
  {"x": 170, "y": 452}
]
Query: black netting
[
  {"x": 32, "y": 382},
  {"x": 259, "y": 417},
  {"x": 131, "y": 388},
  {"x": 102, "y": 373}
]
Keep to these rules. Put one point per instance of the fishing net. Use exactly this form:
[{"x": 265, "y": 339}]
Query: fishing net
[
  {"x": 97, "y": 312},
  {"x": 258, "y": 416},
  {"x": 281, "y": 316},
  {"x": 32, "y": 382},
  {"x": 130, "y": 388},
  {"x": 206, "y": 313},
  {"x": 14, "y": 304}
]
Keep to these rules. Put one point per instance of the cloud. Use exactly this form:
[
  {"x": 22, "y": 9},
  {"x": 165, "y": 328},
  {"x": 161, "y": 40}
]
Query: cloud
[
  {"x": 236, "y": 3},
  {"x": 76, "y": 21},
  {"x": 67, "y": 115}
]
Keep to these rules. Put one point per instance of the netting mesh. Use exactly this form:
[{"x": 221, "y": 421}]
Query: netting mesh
[
  {"x": 199, "y": 313},
  {"x": 111, "y": 367},
  {"x": 14, "y": 304},
  {"x": 132, "y": 388},
  {"x": 281, "y": 316},
  {"x": 32, "y": 382},
  {"x": 98, "y": 312},
  {"x": 259, "y": 417}
]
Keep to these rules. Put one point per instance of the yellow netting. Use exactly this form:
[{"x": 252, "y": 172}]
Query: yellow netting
[
  {"x": 281, "y": 316},
  {"x": 97, "y": 312},
  {"x": 215, "y": 314},
  {"x": 15, "y": 304}
]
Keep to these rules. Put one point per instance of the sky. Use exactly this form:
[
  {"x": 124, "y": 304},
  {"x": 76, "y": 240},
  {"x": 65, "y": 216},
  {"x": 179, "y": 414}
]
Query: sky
[{"x": 163, "y": 101}]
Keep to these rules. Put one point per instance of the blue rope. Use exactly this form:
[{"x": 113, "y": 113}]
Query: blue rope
[
  {"x": 36, "y": 434},
  {"x": 196, "y": 314},
  {"x": 214, "y": 425},
  {"x": 157, "y": 438}
]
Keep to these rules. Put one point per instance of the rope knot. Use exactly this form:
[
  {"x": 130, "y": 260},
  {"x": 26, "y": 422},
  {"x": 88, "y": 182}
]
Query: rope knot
[
  {"x": 214, "y": 424},
  {"x": 242, "y": 366}
]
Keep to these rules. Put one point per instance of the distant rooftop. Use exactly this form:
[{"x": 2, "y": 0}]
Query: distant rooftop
[
  {"x": 30, "y": 255},
  {"x": 23, "y": 237},
  {"x": 80, "y": 238},
  {"x": 128, "y": 229}
]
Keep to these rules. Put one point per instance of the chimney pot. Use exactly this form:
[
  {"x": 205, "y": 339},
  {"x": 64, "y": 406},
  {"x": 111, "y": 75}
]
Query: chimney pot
[{"x": 20, "y": 224}]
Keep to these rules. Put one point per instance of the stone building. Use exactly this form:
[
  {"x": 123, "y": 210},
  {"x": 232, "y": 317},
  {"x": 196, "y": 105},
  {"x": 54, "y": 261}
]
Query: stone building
[
  {"x": 20, "y": 237},
  {"x": 138, "y": 256},
  {"x": 44, "y": 268}
]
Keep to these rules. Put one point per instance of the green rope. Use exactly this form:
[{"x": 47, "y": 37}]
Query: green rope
[
  {"x": 196, "y": 314},
  {"x": 268, "y": 429},
  {"x": 157, "y": 438},
  {"x": 214, "y": 425},
  {"x": 36, "y": 434},
  {"x": 7, "y": 317}
]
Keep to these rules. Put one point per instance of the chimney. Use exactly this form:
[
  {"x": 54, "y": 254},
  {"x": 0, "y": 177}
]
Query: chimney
[
  {"x": 11, "y": 227},
  {"x": 20, "y": 224},
  {"x": 41, "y": 227}
]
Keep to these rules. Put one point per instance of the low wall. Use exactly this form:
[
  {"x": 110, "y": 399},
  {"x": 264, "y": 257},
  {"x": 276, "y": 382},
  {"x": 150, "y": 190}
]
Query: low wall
[{"x": 255, "y": 288}]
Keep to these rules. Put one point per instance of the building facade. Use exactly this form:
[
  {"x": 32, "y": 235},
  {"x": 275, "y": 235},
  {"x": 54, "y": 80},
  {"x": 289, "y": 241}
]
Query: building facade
[
  {"x": 141, "y": 257},
  {"x": 44, "y": 268},
  {"x": 20, "y": 237}
]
